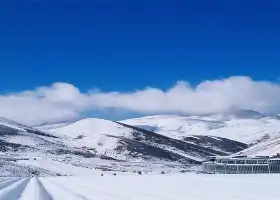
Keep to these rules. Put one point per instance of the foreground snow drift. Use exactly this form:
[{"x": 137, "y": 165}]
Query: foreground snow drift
[{"x": 148, "y": 187}]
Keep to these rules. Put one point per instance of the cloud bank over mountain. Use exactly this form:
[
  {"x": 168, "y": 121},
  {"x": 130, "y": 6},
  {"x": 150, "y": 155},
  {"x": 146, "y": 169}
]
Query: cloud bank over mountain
[{"x": 64, "y": 101}]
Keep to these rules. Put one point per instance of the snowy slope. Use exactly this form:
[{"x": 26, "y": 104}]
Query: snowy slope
[
  {"x": 236, "y": 114},
  {"x": 20, "y": 139},
  {"x": 12, "y": 124},
  {"x": 123, "y": 142},
  {"x": 47, "y": 126},
  {"x": 146, "y": 187},
  {"x": 91, "y": 133},
  {"x": 19, "y": 142},
  {"x": 174, "y": 126},
  {"x": 18, "y": 170},
  {"x": 87, "y": 145},
  {"x": 268, "y": 147},
  {"x": 249, "y": 129}
]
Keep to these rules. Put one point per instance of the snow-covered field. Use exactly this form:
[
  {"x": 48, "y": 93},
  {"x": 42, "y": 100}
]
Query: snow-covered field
[{"x": 145, "y": 187}]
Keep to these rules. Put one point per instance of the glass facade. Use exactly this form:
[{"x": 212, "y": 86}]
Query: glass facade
[{"x": 242, "y": 166}]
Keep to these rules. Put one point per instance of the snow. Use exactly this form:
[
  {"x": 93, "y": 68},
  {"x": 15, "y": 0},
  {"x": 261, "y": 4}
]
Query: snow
[
  {"x": 173, "y": 126},
  {"x": 236, "y": 114},
  {"x": 14, "y": 190},
  {"x": 83, "y": 180},
  {"x": 57, "y": 166},
  {"x": 52, "y": 126},
  {"x": 91, "y": 132},
  {"x": 87, "y": 127},
  {"x": 34, "y": 190},
  {"x": 148, "y": 187},
  {"x": 89, "y": 166},
  {"x": 247, "y": 127},
  {"x": 12, "y": 124},
  {"x": 246, "y": 130},
  {"x": 22, "y": 140},
  {"x": 270, "y": 147}
]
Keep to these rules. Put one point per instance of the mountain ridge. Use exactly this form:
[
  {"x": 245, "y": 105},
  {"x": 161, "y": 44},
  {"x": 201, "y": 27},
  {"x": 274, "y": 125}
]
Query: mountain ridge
[
  {"x": 100, "y": 144},
  {"x": 107, "y": 138}
]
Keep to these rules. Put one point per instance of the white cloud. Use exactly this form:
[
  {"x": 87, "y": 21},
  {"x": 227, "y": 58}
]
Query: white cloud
[{"x": 63, "y": 101}]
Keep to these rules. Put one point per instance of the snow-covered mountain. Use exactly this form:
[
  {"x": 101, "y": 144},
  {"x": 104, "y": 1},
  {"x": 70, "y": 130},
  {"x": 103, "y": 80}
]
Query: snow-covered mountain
[
  {"x": 125, "y": 142},
  {"x": 268, "y": 147},
  {"x": 83, "y": 146},
  {"x": 246, "y": 126},
  {"x": 16, "y": 137},
  {"x": 151, "y": 142},
  {"x": 19, "y": 142},
  {"x": 236, "y": 114}
]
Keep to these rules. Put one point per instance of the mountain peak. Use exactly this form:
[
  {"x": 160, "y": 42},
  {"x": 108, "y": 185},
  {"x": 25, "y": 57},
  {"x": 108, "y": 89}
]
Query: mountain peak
[{"x": 237, "y": 114}]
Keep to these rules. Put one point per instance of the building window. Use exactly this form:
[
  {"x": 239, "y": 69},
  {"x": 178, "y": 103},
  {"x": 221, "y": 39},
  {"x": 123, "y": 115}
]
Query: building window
[
  {"x": 231, "y": 161},
  {"x": 274, "y": 162},
  {"x": 240, "y": 161},
  {"x": 262, "y": 161},
  {"x": 224, "y": 161},
  {"x": 252, "y": 162}
]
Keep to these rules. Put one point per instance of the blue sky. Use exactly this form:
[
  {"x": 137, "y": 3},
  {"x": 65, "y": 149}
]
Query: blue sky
[
  {"x": 130, "y": 45},
  {"x": 125, "y": 45}
]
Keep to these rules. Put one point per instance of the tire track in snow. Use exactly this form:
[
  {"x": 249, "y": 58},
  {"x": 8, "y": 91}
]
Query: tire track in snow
[
  {"x": 35, "y": 191},
  {"x": 14, "y": 190},
  {"x": 8, "y": 182},
  {"x": 6, "y": 178},
  {"x": 58, "y": 192}
]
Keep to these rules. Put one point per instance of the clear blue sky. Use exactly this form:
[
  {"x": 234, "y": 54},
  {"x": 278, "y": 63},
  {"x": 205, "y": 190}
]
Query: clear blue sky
[{"x": 125, "y": 45}]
